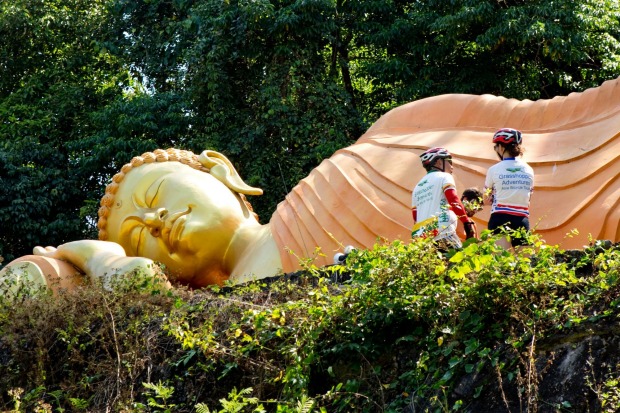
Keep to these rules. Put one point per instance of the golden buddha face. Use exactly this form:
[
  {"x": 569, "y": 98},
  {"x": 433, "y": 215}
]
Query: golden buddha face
[{"x": 176, "y": 215}]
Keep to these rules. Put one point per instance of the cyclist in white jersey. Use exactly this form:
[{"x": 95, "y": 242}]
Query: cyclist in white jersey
[
  {"x": 508, "y": 186},
  {"x": 435, "y": 205}
]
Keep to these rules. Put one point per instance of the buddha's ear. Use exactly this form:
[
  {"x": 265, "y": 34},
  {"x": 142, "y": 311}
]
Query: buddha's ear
[{"x": 224, "y": 171}]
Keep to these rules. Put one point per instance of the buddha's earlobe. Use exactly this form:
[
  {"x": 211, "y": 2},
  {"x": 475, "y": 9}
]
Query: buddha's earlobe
[{"x": 224, "y": 171}]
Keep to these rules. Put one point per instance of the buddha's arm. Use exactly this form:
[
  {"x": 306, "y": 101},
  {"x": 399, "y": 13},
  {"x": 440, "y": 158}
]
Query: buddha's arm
[{"x": 101, "y": 260}]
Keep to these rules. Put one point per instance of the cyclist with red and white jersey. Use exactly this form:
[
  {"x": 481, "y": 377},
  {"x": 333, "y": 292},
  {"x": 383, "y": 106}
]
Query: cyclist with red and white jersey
[
  {"x": 435, "y": 205},
  {"x": 509, "y": 185}
]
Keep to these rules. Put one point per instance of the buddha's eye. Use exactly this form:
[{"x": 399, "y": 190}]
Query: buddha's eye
[{"x": 151, "y": 193}]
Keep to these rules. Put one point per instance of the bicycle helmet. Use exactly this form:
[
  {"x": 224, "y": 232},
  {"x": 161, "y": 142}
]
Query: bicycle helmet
[
  {"x": 431, "y": 155},
  {"x": 507, "y": 136}
]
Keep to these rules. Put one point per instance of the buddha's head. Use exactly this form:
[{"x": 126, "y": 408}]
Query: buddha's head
[{"x": 179, "y": 209}]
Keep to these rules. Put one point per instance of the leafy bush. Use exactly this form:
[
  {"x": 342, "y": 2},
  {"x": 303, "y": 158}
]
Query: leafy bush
[{"x": 410, "y": 328}]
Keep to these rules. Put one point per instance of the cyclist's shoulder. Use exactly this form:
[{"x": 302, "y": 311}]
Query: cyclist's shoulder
[{"x": 524, "y": 165}]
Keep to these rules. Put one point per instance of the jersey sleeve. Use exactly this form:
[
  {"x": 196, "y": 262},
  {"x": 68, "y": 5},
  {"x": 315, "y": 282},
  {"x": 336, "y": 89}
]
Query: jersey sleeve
[
  {"x": 487, "y": 192},
  {"x": 448, "y": 182},
  {"x": 488, "y": 181}
]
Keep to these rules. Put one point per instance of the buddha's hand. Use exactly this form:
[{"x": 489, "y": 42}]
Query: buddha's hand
[{"x": 105, "y": 261}]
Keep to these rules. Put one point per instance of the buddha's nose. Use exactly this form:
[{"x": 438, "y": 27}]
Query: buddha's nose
[{"x": 155, "y": 220}]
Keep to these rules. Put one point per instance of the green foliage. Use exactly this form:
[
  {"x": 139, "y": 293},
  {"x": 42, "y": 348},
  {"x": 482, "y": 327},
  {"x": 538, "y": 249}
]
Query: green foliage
[
  {"x": 525, "y": 50},
  {"x": 158, "y": 396},
  {"x": 277, "y": 94},
  {"x": 408, "y": 328},
  {"x": 610, "y": 395},
  {"x": 52, "y": 81},
  {"x": 235, "y": 402}
]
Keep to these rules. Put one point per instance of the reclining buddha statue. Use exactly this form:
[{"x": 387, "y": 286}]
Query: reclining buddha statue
[{"x": 190, "y": 213}]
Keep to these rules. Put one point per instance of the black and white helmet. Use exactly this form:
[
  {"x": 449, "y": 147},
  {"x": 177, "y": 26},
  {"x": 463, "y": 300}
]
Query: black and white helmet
[{"x": 430, "y": 156}]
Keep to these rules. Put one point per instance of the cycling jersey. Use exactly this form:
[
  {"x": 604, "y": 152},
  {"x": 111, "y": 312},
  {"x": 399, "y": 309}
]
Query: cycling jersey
[
  {"x": 429, "y": 202},
  {"x": 511, "y": 182}
]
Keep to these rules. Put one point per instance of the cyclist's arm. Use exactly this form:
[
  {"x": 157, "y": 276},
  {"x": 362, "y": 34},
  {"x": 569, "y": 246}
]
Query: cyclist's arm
[{"x": 456, "y": 205}]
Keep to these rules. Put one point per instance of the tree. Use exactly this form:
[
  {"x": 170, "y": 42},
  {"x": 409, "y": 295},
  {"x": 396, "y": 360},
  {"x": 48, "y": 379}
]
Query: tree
[
  {"x": 53, "y": 79},
  {"x": 276, "y": 85},
  {"x": 525, "y": 50},
  {"x": 254, "y": 76}
]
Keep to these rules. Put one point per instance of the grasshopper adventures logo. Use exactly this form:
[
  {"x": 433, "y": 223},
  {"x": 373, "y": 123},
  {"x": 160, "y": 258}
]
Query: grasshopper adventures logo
[
  {"x": 514, "y": 170},
  {"x": 424, "y": 182}
]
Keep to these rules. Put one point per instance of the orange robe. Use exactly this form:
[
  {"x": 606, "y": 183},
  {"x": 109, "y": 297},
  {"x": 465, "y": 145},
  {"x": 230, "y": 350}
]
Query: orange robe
[{"x": 363, "y": 192}]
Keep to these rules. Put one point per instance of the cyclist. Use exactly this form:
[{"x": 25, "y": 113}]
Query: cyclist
[
  {"x": 508, "y": 187},
  {"x": 435, "y": 205}
]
